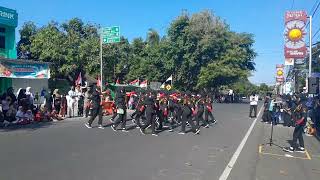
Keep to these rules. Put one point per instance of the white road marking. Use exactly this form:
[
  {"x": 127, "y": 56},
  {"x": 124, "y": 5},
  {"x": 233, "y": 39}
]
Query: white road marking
[{"x": 227, "y": 170}]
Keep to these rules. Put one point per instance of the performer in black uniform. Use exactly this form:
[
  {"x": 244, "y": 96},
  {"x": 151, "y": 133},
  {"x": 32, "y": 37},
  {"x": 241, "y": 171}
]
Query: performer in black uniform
[
  {"x": 150, "y": 114},
  {"x": 199, "y": 114},
  {"x": 121, "y": 111},
  {"x": 208, "y": 111},
  {"x": 96, "y": 109},
  {"x": 187, "y": 117}
]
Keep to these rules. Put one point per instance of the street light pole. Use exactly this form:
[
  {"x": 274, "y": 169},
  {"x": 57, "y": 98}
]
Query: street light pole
[
  {"x": 310, "y": 52},
  {"x": 310, "y": 45}
]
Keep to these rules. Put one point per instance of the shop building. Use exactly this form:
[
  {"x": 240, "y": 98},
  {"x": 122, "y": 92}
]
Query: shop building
[{"x": 15, "y": 72}]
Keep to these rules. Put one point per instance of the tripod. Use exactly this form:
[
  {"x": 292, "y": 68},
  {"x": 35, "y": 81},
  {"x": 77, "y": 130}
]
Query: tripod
[{"x": 270, "y": 143}]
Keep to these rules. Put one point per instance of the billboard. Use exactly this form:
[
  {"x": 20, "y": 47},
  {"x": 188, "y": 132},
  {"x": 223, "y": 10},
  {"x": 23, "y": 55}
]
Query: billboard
[
  {"x": 279, "y": 73},
  {"x": 19, "y": 69},
  {"x": 295, "y": 46}
]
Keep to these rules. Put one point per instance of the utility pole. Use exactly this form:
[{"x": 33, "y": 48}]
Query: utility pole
[{"x": 310, "y": 51}]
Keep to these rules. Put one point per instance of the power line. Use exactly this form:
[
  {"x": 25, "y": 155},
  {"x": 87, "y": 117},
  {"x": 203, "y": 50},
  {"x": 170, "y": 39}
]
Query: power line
[{"x": 316, "y": 4}]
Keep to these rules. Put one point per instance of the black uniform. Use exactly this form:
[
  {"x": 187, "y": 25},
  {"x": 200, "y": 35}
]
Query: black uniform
[
  {"x": 187, "y": 117},
  {"x": 199, "y": 115},
  {"x": 150, "y": 114},
  {"x": 96, "y": 107},
  {"x": 121, "y": 109}
]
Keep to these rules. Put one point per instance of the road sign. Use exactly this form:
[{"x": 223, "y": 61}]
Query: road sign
[
  {"x": 110, "y": 34},
  {"x": 168, "y": 87}
]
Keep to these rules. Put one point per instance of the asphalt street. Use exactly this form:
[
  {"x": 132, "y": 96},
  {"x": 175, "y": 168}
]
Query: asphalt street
[{"x": 67, "y": 150}]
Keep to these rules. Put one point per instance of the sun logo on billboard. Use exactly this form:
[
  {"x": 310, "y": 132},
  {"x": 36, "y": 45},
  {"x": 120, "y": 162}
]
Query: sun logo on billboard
[
  {"x": 279, "y": 72},
  {"x": 294, "y": 34}
]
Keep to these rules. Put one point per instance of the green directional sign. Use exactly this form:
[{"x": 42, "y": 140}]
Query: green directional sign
[{"x": 110, "y": 34}]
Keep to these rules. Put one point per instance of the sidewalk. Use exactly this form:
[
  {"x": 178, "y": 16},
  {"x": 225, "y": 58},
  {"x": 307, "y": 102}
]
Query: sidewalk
[{"x": 282, "y": 165}]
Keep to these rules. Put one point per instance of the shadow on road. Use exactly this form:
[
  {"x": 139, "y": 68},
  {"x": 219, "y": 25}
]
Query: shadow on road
[{"x": 31, "y": 127}]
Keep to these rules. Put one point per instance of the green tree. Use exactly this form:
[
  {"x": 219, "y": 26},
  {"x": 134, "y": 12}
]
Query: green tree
[{"x": 27, "y": 30}]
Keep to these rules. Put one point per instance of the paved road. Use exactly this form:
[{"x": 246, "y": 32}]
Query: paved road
[{"x": 67, "y": 150}]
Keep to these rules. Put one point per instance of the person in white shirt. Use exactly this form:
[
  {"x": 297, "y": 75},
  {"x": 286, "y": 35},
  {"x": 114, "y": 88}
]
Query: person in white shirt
[
  {"x": 72, "y": 102},
  {"x": 253, "y": 105}
]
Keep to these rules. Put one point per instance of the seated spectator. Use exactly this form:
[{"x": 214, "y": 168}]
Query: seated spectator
[
  {"x": 20, "y": 114},
  {"x": 11, "y": 114},
  {"x": 55, "y": 116},
  {"x": 29, "y": 116}
]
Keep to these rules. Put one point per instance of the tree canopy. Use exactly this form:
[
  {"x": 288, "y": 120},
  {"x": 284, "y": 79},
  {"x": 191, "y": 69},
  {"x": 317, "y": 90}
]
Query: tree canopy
[{"x": 199, "y": 50}]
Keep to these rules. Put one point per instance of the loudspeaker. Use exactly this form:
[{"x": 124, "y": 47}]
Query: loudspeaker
[{"x": 313, "y": 85}]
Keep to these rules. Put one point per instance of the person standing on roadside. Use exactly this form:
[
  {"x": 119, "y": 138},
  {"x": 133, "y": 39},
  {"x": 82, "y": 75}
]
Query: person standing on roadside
[
  {"x": 96, "y": 108},
  {"x": 253, "y": 105},
  {"x": 300, "y": 118}
]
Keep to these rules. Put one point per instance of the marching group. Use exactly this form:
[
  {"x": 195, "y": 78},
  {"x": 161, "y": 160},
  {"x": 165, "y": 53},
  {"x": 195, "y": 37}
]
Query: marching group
[{"x": 156, "y": 110}]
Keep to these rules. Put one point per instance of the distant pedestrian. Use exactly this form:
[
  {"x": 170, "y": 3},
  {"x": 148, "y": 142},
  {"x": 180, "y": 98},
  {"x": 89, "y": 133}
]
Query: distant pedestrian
[{"x": 253, "y": 105}]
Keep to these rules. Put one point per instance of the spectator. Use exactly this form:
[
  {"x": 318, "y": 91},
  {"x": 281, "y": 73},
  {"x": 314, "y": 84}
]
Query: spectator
[
  {"x": 13, "y": 97},
  {"x": 56, "y": 100},
  {"x": 30, "y": 96},
  {"x": 20, "y": 114}
]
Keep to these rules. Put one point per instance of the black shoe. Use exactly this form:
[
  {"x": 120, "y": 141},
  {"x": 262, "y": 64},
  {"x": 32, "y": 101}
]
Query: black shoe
[
  {"x": 124, "y": 130},
  {"x": 100, "y": 127},
  {"x": 288, "y": 149},
  {"x": 197, "y": 131},
  {"x": 111, "y": 120},
  {"x": 300, "y": 150},
  {"x": 142, "y": 131},
  {"x": 113, "y": 128},
  {"x": 88, "y": 125}
]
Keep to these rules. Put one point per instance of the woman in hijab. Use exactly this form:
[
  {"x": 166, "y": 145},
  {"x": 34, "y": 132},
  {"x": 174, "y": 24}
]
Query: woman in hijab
[
  {"x": 29, "y": 95},
  {"x": 22, "y": 98}
]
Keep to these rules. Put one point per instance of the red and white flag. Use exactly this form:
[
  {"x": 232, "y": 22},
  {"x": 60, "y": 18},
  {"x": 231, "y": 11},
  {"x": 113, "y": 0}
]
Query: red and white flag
[
  {"x": 98, "y": 82},
  {"x": 144, "y": 84},
  {"x": 79, "y": 80},
  {"x": 135, "y": 82}
]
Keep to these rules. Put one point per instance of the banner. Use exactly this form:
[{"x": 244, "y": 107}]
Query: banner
[
  {"x": 19, "y": 69},
  {"x": 289, "y": 62},
  {"x": 280, "y": 73},
  {"x": 295, "y": 46}
]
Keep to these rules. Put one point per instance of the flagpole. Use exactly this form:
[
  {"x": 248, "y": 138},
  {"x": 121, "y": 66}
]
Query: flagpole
[{"x": 101, "y": 65}]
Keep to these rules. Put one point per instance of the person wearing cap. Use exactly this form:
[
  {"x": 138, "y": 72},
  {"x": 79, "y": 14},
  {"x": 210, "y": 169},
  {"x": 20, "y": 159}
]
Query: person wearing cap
[{"x": 96, "y": 108}]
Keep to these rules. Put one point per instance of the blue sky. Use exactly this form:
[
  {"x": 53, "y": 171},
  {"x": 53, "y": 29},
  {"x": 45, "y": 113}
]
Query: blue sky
[{"x": 264, "y": 19}]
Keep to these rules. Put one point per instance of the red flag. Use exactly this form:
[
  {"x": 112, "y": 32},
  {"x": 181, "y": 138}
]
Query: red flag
[
  {"x": 118, "y": 81},
  {"x": 135, "y": 82},
  {"x": 144, "y": 84},
  {"x": 98, "y": 81},
  {"x": 79, "y": 80}
]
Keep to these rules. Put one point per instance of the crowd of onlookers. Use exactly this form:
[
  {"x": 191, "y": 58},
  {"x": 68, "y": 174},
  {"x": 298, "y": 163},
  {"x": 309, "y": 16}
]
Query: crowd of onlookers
[
  {"x": 281, "y": 109},
  {"x": 25, "y": 107}
]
